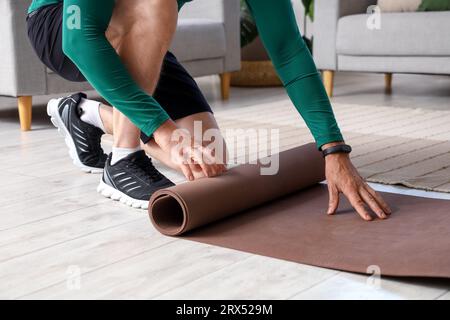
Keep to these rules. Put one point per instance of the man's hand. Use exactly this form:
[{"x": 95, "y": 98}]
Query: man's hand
[
  {"x": 189, "y": 154},
  {"x": 342, "y": 177}
]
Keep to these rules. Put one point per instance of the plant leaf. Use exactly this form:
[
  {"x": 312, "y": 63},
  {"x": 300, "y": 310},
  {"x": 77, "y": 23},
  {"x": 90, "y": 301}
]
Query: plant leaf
[
  {"x": 307, "y": 5},
  {"x": 249, "y": 31}
]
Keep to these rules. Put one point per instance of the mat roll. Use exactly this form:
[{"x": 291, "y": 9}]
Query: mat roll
[
  {"x": 284, "y": 216},
  {"x": 184, "y": 207}
]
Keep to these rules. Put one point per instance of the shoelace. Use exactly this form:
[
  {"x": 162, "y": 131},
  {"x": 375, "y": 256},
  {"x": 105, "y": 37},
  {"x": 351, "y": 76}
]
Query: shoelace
[
  {"x": 150, "y": 169},
  {"x": 144, "y": 169}
]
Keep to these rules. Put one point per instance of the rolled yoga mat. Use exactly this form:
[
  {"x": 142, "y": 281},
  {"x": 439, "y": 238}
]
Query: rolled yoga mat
[{"x": 284, "y": 216}]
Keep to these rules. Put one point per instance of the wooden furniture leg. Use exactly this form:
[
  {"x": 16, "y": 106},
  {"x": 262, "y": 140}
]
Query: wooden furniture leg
[
  {"x": 388, "y": 82},
  {"x": 225, "y": 84},
  {"x": 328, "y": 81},
  {"x": 25, "y": 105}
]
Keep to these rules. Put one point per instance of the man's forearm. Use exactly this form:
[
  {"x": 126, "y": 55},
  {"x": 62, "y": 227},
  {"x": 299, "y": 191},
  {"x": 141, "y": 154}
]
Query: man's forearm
[{"x": 279, "y": 31}]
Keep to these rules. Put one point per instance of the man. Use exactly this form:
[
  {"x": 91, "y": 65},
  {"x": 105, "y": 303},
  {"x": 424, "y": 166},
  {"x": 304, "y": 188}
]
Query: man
[{"x": 120, "y": 46}]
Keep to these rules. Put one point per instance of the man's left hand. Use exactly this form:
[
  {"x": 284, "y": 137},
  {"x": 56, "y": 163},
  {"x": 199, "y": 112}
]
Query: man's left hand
[{"x": 342, "y": 177}]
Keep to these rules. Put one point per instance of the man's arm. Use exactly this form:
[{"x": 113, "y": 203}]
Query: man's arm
[
  {"x": 84, "y": 42},
  {"x": 280, "y": 34}
]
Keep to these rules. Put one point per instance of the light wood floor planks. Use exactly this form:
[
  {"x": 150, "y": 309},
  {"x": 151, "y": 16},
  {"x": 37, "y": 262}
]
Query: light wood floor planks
[{"x": 57, "y": 233}]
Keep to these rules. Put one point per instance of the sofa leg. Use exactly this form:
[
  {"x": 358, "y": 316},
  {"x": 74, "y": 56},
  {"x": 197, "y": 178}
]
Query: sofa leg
[
  {"x": 388, "y": 83},
  {"x": 328, "y": 81},
  {"x": 225, "y": 84},
  {"x": 25, "y": 105}
]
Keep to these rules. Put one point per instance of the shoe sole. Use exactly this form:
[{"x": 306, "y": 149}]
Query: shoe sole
[
  {"x": 52, "y": 111},
  {"x": 116, "y": 195}
]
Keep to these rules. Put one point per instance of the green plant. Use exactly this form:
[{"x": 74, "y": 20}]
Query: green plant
[
  {"x": 249, "y": 31},
  {"x": 309, "y": 8},
  {"x": 309, "y": 12},
  {"x": 434, "y": 5}
]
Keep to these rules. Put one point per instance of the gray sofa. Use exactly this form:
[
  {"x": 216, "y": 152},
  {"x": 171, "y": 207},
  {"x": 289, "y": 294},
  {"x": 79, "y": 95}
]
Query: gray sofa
[
  {"x": 407, "y": 42},
  {"x": 207, "y": 42}
]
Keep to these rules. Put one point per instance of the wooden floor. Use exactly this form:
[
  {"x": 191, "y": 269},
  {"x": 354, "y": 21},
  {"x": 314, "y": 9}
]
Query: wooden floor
[{"x": 60, "y": 239}]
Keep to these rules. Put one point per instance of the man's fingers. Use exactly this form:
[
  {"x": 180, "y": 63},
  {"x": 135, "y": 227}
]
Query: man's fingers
[
  {"x": 379, "y": 199},
  {"x": 222, "y": 168},
  {"x": 187, "y": 171},
  {"x": 201, "y": 157},
  {"x": 208, "y": 162},
  {"x": 333, "y": 199},
  {"x": 197, "y": 156},
  {"x": 194, "y": 169},
  {"x": 208, "y": 170},
  {"x": 358, "y": 204},
  {"x": 373, "y": 204}
]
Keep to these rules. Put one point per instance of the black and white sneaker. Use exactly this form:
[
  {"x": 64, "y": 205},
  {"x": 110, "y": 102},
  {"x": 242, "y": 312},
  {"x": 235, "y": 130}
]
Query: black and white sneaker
[
  {"x": 132, "y": 180},
  {"x": 83, "y": 139}
]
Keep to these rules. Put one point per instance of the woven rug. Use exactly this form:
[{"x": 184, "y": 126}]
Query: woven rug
[{"x": 402, "y": 146}]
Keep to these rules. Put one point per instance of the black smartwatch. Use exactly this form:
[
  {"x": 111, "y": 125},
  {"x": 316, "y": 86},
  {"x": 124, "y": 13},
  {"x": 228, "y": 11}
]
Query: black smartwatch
[{"x": 340, "y": 148}]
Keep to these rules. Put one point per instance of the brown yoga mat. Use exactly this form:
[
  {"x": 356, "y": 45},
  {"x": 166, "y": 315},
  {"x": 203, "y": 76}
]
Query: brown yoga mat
[{"x": 283, "y": 216}]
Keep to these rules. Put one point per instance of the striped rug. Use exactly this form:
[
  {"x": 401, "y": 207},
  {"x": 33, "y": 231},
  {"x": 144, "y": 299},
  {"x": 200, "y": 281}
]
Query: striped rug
[{"x": 409, "y": 147}]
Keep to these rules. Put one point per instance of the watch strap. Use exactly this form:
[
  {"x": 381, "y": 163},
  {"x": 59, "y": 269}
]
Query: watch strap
[{"x": 340, "y": 148}]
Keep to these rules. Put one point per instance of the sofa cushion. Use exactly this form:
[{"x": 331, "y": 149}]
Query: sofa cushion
[
  {"x": 399, "y": 5},
  {"x": 198, "y": 39},
  {"x": 401, "y": 34}
]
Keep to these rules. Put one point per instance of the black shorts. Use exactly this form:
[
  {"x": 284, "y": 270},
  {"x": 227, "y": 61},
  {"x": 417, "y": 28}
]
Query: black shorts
[{"x": 177, "y": 91}]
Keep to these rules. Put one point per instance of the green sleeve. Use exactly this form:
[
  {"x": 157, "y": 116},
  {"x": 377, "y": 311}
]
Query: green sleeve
[
  {"x": 279, "y": 32},
  {"x": 86, "y": 45}
]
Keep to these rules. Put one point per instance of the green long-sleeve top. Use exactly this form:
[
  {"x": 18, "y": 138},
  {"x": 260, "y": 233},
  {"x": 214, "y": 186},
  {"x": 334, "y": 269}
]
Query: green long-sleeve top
[{"x": 86, "y": 45}]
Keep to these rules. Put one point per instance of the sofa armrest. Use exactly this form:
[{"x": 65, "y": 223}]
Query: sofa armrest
[
  {"x": 326, "y": 16},
  {"x": 227, "y": 11},
  {"x": 21, "y": 72}
]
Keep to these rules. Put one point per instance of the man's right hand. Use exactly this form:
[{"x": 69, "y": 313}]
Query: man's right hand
[{"x": 186, "y": 152}]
